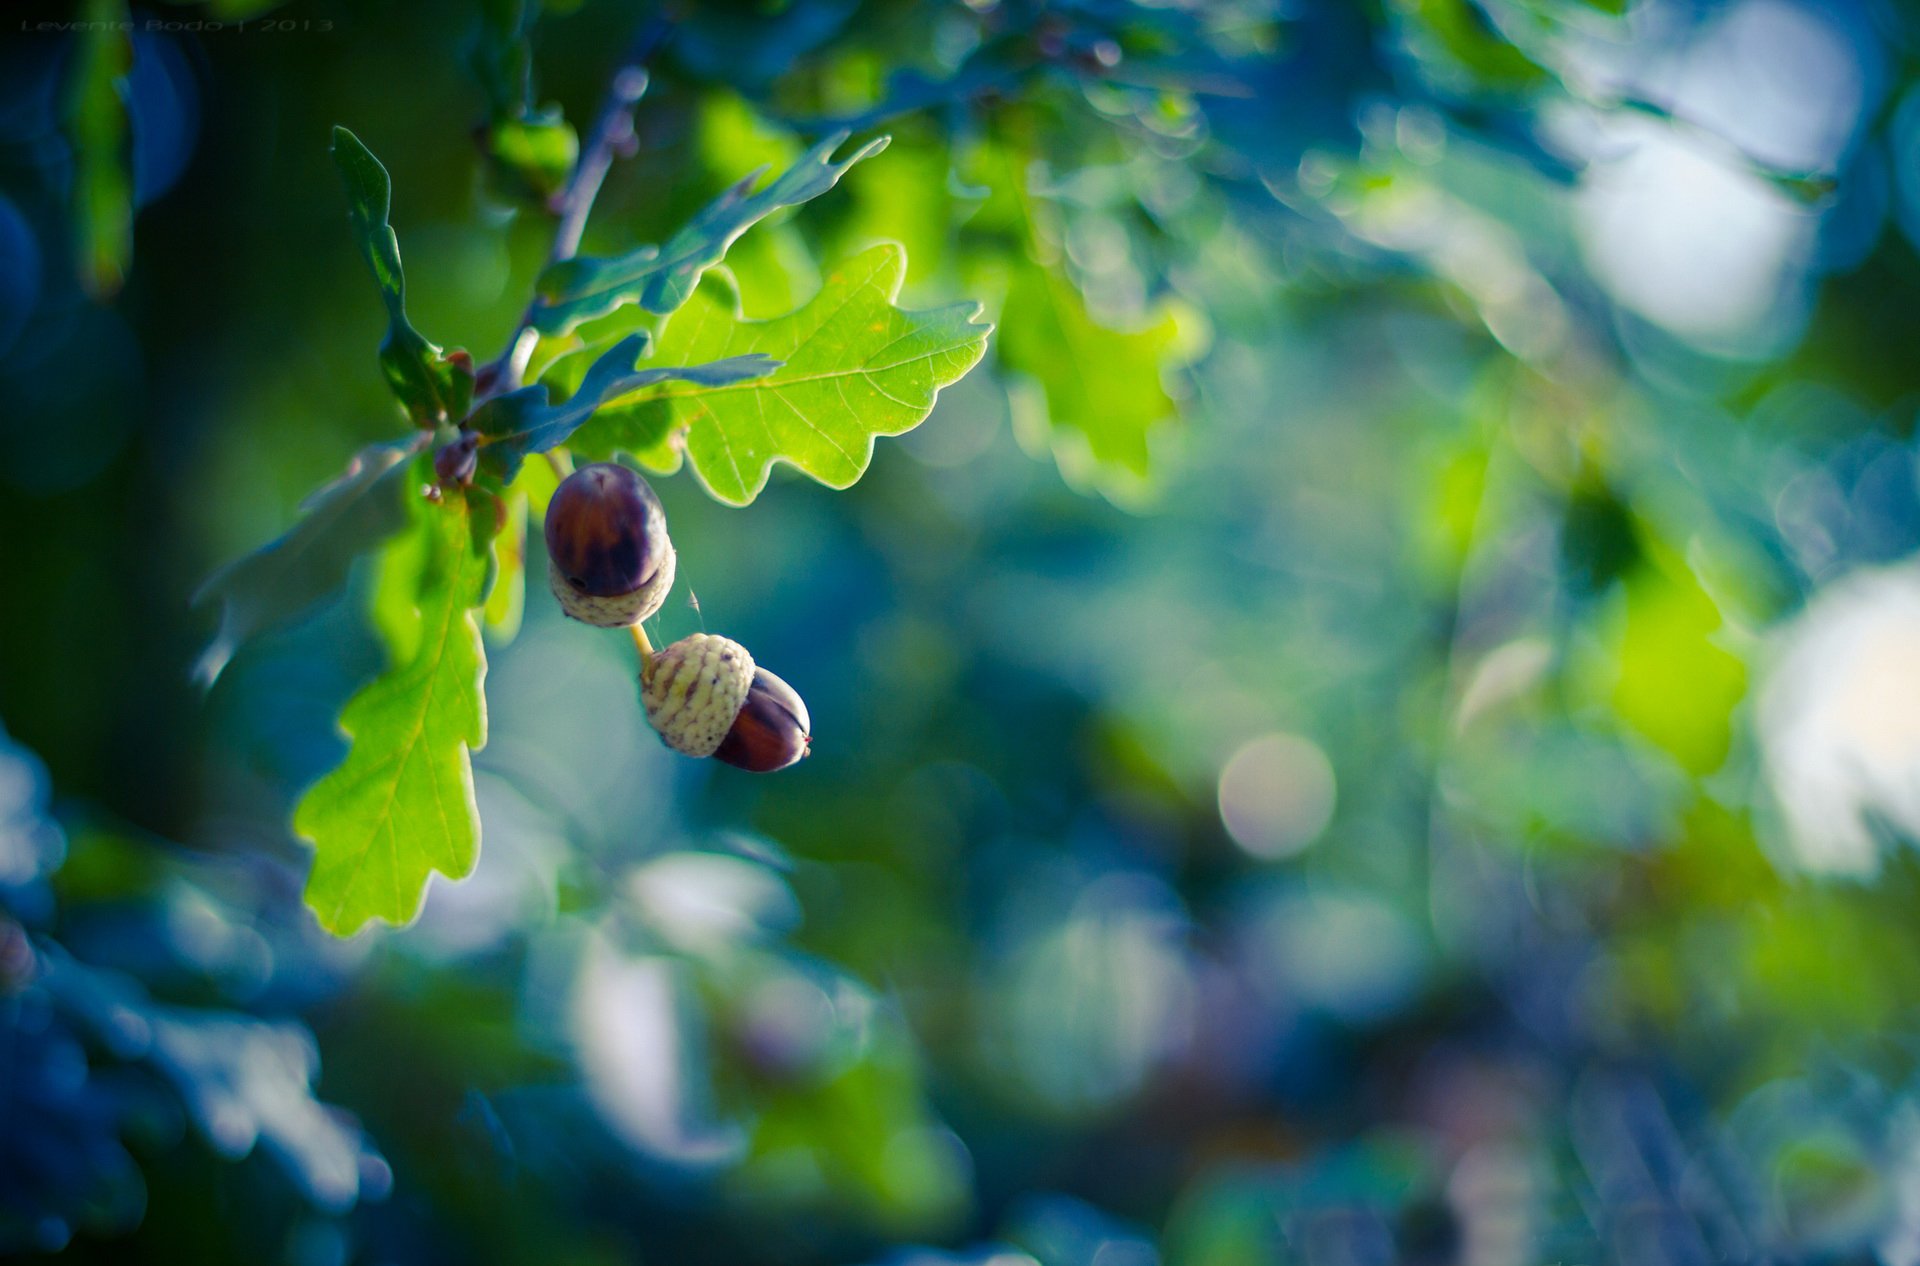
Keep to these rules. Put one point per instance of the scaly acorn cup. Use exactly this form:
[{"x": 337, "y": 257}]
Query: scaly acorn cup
[
  {"x": 706, "y": 697},
  {"x": 610, "y": 561}
]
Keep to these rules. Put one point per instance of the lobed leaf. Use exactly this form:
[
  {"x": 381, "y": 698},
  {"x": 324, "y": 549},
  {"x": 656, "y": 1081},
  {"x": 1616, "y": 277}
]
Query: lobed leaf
[
  {"x": 400, "y": 806},
  {"x": 285, "y": 577},
  {"x": 853, "y": 367},
  {"x": 661, "y": 278},
  {"x": 434, "y": 386},
  {"x": 522, "y": 422}
]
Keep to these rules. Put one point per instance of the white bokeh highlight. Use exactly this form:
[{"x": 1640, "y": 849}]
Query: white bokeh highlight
[
  {"x": 1839, "y": 721},
  {"x": 1276, "y": 795}
]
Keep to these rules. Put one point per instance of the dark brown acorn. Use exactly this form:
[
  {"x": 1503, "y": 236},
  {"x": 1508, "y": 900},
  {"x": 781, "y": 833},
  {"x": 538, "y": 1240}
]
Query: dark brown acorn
[
  {"x": 772, "y": 730},
  {"x": 610, "y": 561}
]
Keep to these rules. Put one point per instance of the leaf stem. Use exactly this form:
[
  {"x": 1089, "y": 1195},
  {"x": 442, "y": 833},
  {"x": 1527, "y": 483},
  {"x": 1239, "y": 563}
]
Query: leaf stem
[{"x": 612, "y": 133}]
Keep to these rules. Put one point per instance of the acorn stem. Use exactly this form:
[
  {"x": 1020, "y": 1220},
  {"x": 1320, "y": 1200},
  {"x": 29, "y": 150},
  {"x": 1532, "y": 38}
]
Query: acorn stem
[
  {"x": 641, "y": 644},
  {"x": 561, "y": 463}
]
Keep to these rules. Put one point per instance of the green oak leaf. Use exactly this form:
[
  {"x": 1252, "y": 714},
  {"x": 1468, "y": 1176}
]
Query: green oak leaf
[
  {"x": 506, "y": 602},
  {"x": 400, "y": 806},
  {"x": 522, "y": 422},
  {"x": 661, "y": 278},
  {"x": 853, "y": 367},
  {"x": 435, "y": 386},
  {"x": 283, "y": 578},
  {"x": 1101, "y": 387}
]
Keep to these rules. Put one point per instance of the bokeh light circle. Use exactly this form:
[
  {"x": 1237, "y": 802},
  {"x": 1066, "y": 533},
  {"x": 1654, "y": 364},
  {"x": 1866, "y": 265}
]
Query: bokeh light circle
[{"x": 1276, "y": 795}]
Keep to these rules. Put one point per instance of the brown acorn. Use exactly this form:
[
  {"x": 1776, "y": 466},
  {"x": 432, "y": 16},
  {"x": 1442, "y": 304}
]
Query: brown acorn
[
  {"x": 706, "y": 697},
  {"x": 610, "y": 561},
  {"x": 772, "y": 729}
]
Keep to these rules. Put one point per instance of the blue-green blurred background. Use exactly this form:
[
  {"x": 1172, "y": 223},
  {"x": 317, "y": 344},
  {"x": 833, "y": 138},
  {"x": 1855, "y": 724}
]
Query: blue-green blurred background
[{"x": 1381, "y": 725}]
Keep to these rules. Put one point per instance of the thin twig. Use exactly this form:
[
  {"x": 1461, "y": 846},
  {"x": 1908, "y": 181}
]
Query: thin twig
[{"x": 612, "y": 133}]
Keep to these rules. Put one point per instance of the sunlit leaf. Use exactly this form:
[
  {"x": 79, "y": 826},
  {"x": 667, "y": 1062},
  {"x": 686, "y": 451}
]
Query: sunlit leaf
[
  {"x": 1101, "y": 386},
  {"x": 1453, "y": 487},
  {"x": 524, "y": 422},
  {"x": 906, "y": 195},
  {"x": 393, "y": 605},
  {"x": 282, "y": 579},
  {"x": 507, "y": 598},
  {"x": 435, "y": 386},
  {"x": 1676, "y": 685},
  {"x": 538, "y": 151},
  {"x": 400, "y": 806},
  {"x": 732, "y": 134},
  {"x": 853, "y": 367},
  {"x": 774, "y": 265},
  {"x": 661, "y": 278}
]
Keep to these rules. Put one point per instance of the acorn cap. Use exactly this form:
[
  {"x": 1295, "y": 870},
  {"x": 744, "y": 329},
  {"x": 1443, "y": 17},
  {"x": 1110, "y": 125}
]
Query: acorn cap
[
  {"x": 694, "y": 689},
  {"x": 620, "y": 609}
]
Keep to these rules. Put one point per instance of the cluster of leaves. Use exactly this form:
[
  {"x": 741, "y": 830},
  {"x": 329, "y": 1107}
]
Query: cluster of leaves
[
  {"x": 648, "y": 355},
  {"x": 1079, "y": 165},
  {"x": 654, "y": 366}
]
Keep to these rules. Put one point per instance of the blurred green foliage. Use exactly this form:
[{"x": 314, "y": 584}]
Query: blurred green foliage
[{"x": 1378, "y": 727}]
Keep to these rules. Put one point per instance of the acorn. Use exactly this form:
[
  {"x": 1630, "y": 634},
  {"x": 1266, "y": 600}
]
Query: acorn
[
  {"x": 771, "y": 730},
  {"x": 706, "y": 697},
  {"x": 609, "y": 559}
]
